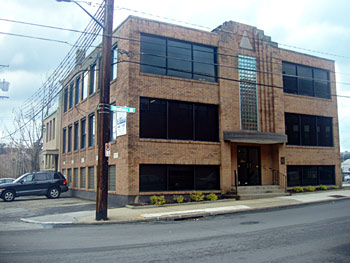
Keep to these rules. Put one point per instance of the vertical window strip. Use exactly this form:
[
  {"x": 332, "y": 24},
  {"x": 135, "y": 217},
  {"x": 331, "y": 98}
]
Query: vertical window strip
[
  {"x": 248, "y": 92},
  {"x": 83, "y": 177},
  {"x": 75, "y": 177},
  {"x": 91, "y": 177},
  {"x": 111, "y": 177}
]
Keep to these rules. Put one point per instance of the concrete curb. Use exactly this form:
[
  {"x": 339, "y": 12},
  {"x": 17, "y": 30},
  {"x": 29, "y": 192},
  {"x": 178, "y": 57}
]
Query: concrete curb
[{"x": 179, "y": 215}]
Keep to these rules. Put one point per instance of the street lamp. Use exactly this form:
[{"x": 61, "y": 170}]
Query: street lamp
[
  {"x": 72, "y": 1},
  {"x": 103, "y": 108}
]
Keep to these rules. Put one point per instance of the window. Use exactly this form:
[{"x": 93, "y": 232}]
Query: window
[
  {"x": 65, "y": 99},
  {"x": 75, "y": 177},
  {"x": 69, "y": 177},
  {"x": 70, "y": 136},
  {"x": 308, "y": 130},
  {"x": 304, "y": 80},
  {"x": 91, "y": 177},
  {"x": 91, "y": 129},
  {"x": 114, "y": 62},
  {"x": 85, "y": 85},
  {"x": 179, "y": 177},
  {"x": 77, "y": 90},
  {"x": 111, "y": 177},
  {"x": 71, "y": 95},
  {"x": 76, "y": 136},
  {"x": 164, "y": 56},
  {"x": 113, "y": 125},
  {"x": 53, "y": 128},
  {"x": 50, "y": 135},
  {"x": 40, "y": 177},
  {"x": 248, "y": 92},
  {"x": 304, "y": 175},
  {"x": 82, "y": 133},
  {"x": 47, "y": 131},
  {"x": 93, "y": 79},
  {"x": 64, "y": 140},
  {"x": 166, "y": 119},
  {"x": 82, "y": 177}
]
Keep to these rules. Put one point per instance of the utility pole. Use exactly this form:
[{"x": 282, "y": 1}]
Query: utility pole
[{"x": 103, "y": 111}]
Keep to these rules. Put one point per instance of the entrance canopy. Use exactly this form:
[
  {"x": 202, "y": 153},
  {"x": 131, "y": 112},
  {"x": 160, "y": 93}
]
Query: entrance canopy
[{"x": 255, "y": 137}]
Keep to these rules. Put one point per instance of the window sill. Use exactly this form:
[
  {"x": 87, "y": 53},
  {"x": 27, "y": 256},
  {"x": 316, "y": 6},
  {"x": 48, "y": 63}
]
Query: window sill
[
  {"x": 179, "y": 79},
  {"x": 178, "y": 141},
  {"x": 311, "y": 147},
  {"x": 305, "y": 96}
]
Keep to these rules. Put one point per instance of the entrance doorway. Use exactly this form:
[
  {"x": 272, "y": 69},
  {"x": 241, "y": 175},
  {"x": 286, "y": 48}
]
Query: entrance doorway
[{"x": 248, "y": 165}]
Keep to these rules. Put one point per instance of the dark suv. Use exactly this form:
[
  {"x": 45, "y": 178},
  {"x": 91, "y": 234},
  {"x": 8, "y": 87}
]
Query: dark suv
[{"x": 48, "y": 183}]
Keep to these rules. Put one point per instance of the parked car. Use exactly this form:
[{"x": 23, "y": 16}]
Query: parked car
[
  {"x": 48, "y": 183},
  {"x": 347, "y": 178},
  {"x": 6, "y": 180}
]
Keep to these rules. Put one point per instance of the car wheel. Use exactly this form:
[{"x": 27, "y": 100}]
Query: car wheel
[
  {"x": 8, "y": 196},
  {"x": 53, "y": 193}
]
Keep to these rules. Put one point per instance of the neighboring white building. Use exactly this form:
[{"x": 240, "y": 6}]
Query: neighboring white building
[{"x": 345, "y": 167}]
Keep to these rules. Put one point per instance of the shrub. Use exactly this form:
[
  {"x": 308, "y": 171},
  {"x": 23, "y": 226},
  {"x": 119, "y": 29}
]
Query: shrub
[
  {"x": 178, "y": 198},
  {"x": 322, "y": 187},
  {"x": 157, "y": 200},
  {"x": 298, "y": 189},
  {"x": 197, "y": 196},
  {"x": 310, "y": 188},
  {"x": 335, "y": 187},
  {"x": 212, "y": 197}
]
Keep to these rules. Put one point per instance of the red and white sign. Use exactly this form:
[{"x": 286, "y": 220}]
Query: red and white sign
[{"x": 107, "y": 149}]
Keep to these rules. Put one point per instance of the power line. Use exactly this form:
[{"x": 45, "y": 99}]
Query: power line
[{"x": 222, "y": 30}]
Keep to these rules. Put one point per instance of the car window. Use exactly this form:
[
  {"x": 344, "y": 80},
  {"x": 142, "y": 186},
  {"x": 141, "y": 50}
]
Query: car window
[
  {"x": 40, "y": 177},
  {"x": 28, "y": 178},
  {"x": 2, "y": 181},
  {"x": 57, "y": 176}
]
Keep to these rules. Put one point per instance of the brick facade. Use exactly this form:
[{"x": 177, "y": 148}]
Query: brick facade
[{"x": 131, "y": 84}]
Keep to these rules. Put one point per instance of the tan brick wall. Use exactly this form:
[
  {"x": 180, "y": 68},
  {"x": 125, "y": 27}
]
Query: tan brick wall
[{"x": 131, "y": 84}]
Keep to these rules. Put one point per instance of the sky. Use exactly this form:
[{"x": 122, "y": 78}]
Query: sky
[{"x": 315, "y": 27}]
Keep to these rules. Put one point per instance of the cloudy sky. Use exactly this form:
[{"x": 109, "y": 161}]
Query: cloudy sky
[{"x": 319, "y": 27}]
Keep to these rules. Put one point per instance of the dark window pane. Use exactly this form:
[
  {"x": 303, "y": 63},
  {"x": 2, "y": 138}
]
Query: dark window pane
[
  {"x": 204, "y": 63},
  {"x": 322, "y": 88},
  {"x": 207, "y": 177},
  {"x": 153, "y": 178},
  {"x": 309, "y": 175},
  {"x": 76, "y": 135},
  {"x": 83, "y": 134},
  {"x": 153, "y": 55},
  {"x": 206, "y": 122},
  {"x": 70, "y": 137},
  {"x": 152, "y": 118},
  {"x": 294, "y": 175},
  {"x": 180, "y": 120},
  {"x": 305, "y": 81},
  {"x": 326, "y": 174},
  {"x": 65, "y": 99},
  {"x": 308, "y": 130},
  {"x": 179, "y": 59},
  {"x": 180, "y": 177},
  {"x": 64, "y": 140},
  {"x": 292, "y": 129},
  {"x": 324, "y": 131},
  {"x": 289, "y": 78}
]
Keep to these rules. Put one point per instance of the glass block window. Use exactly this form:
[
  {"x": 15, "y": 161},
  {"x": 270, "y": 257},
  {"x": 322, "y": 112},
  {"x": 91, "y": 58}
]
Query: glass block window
[
  {"x": 82, "y": 177},
  {"x": 248, "y": 92},
  {"x": 75, "y": 177},
  {"x": 111, "y": 177},
  {"x": 91, "y": 177},
  {"x": 69, "y": 177}
]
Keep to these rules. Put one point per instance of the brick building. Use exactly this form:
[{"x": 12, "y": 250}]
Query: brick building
[{"x": 213, "y": 110}]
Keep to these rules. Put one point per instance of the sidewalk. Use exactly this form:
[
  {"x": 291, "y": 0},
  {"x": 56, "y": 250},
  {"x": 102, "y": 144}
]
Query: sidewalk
[{"x": 189, "y": 210}]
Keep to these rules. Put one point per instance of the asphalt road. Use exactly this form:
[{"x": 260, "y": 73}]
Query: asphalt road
[
  {"x": 311, "y": 233},
  {"x": 32, "y": 206}
]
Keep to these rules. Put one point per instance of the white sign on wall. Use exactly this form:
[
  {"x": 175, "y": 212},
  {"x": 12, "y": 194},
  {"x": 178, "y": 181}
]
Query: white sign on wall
[{"x": 121, "y": 123}]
